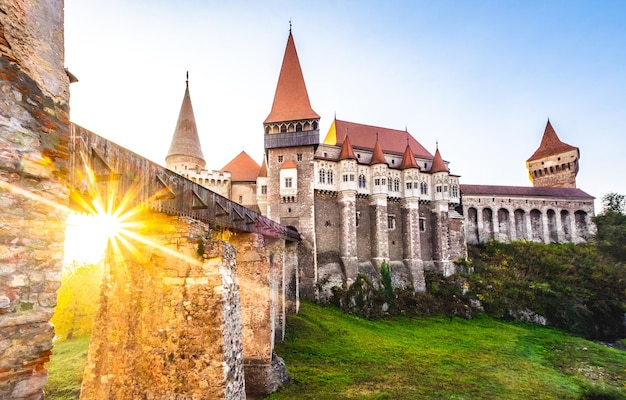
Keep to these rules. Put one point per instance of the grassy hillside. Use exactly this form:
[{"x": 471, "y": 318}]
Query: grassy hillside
[{"x": 332, "y": 355}]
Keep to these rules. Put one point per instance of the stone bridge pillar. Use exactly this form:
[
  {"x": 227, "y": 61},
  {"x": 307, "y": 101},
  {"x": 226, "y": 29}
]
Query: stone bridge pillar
[
  {"x": 34, "y": 126},
  {"x": 169, "y": 319},
  {"x": 261, "y": 271}
]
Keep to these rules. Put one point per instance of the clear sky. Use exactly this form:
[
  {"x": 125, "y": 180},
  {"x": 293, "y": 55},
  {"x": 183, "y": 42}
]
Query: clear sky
[{"x": 479, "y": 77}]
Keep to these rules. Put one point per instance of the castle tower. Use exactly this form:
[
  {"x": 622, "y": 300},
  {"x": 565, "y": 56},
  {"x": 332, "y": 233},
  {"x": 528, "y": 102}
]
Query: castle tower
[
  {"x": 347, "y": 201},
  {"x": 261, "y": 188},
  {"x": 378, "y": 207},
  {"x": 291, "y": 137},
  {"x": 185, "y": 153},
  {"x": 439, "y": 208},
  {"x": 411, "y": 243},
  {"x": 554, "y": 163}
]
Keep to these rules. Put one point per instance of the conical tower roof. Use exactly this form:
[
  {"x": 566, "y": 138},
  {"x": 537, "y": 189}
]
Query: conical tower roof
[
  {"x": 263, "y": 170},
  {"x": 347, "y": 152},
  {"x": 186, "y": 141},
  {"x": 291, "y": 100},
  {"x": 438, "y": 164},
  {"x": 550, "y": 144},
  {"x": 408, "y": 159},
  {"x": 242, "y": 168},
  {"x": 377, "y": 155}
]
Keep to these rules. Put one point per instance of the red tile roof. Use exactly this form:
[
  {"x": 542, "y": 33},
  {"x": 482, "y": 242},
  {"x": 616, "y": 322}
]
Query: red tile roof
[
  {"x": 408, "y": 159},
  {"x": 347, "y": 152},
  {"x": 186, "y": 141},
  {"x": 438, "y": 164},
  {"x": 291, "y": 100},
  {"x": 392, "y": 141},
  {"x": 242, "y": 168},
  {"x": 550, "y": 144},
  {"x": 524, "y": 191},
  {"x": 377, "y": 155},
  {"x": 289, "y": 164}
]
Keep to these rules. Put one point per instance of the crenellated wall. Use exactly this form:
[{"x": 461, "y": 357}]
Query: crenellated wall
[{"x": 34, "y": 124}]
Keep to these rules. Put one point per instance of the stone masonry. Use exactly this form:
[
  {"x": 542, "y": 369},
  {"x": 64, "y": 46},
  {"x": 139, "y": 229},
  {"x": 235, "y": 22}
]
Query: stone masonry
[
  {"x": 169, "y": 321},
  {"x": 34, "y": 124}
]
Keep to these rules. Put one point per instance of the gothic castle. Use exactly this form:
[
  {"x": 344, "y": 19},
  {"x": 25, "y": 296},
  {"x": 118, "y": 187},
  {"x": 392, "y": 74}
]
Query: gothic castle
[{"x": 368, "y": 194}]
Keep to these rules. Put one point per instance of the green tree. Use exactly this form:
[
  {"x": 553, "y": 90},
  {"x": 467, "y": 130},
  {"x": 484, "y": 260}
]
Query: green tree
[{"x": 611, "y": 226}]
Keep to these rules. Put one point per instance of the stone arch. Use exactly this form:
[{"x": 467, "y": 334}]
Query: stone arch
[
  {"x": 472, "y": 225},
  {"x": 553, "y": 233},
  {"x": 566, "y": 223},
  {"x": 536, "y": 225},
  {"x": 520, "y": 224},
  {"x": 488, "y": 223},
  {"x": 582, "y": 226},
  {"x": 504, "y": 224}
]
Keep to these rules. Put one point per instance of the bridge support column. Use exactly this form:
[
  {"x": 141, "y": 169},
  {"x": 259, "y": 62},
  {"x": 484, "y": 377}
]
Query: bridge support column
[
  {"x": 169, "y": 319},
  {"x": 260, "y": 270}
]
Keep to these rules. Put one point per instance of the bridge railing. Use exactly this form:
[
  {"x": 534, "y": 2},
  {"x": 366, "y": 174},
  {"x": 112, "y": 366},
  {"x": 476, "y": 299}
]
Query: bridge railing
[{"x": 112, "y": 174}]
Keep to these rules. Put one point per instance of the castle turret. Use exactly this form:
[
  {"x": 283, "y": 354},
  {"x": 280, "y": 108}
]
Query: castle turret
[
  {"x": 554, "y": 163},
  {"x": 185, "y": 153},
  {"x": 347, "y": 200},
  {"x": 440, "y": 210},
  {"x": 411, "y": 241},
  {"x": 378, "y": 207},
  {"x": 291, "y": 137}
]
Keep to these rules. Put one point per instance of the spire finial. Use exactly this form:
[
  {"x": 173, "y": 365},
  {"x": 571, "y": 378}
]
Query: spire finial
[
  {"x": 437, "y": 144},
  {"x": 187, "y": 80},
  {"x": 290, "y": 26}
]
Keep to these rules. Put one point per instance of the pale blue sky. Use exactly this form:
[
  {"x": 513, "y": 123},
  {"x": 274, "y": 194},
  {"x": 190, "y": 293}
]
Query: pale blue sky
[{"x": 480, "y": 77}]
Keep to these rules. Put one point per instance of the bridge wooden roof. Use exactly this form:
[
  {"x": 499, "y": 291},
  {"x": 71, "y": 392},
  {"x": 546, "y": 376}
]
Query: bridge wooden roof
[{"x": 291, "y": 100}]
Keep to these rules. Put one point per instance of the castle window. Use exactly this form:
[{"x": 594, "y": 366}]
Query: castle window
[
  {"x": 389, "y": 185},
  {"x": 298, "y": 127},
  {"x": 391, "y": 222},
  {"x": 283, "y": 128},
  {"x": 345, "y": 178},
  {"x": 422, "y": 225},
  {"x": 351, "y": 177},
  {"x": 240, "y": 199},
  {"x": 362, "y": 182},
  {"x": 423, "y": 188},
  {"x": 396, "y": 185},
  {"x": 455, "y": 191},
  {"x": 377, "y": 181},
  {"x": 288, "y": 182},
  {"x": 383, "y": 181},
  {"x": 314, "y": 125},
  {"x": 329, "y": 175},
  {"x": 439, "y": 188},
  {"x": 358, "y": 155},
  {"x": 263, "y": 189},
  {"x": 445, "y": 188},
  {"x": 299, "y": 156},
  {"x": 280, "y": 159},
  {"x": 322, "y": 176},
  {"x": 409, "y": 185},
  {"x": 358, "y": 218}
]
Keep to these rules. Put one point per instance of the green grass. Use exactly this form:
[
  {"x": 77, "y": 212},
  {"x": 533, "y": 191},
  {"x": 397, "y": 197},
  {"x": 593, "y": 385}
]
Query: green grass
[
  {"x": 331, "y": 355},
  {"x": 65, "y": 369}
]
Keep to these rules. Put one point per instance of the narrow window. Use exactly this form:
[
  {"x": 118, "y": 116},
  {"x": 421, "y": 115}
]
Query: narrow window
[
  {"x": 330, "y": 177},
  {"x": 299, "y": 156},
  {"x": 391, "y": 222},
  {"x": 263, "y": 189},
  {"x": 288, "y": 182},
  {"x": 280, "y": 159}
]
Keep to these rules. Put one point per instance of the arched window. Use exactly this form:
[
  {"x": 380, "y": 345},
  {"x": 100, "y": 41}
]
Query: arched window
[
  {"x": 322, "y": 176},
  {"x": 423, "y": 188},
  {"x": 329, "y": 177},
  {"x": 362, "y": 182},
  {"x": 389, "y": 184}
]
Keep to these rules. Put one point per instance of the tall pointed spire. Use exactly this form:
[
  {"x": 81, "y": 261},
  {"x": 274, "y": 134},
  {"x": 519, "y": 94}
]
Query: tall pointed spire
[
  {"x": 438, "y": 164},
  {"x": 291, "y": 100},
  {"x": 550, "y": 144},
  {"x": 185, "y": 146}
]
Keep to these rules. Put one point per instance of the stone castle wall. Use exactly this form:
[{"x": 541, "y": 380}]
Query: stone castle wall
[{"x": 34, "y": 123}]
